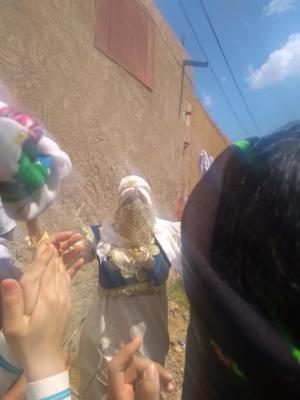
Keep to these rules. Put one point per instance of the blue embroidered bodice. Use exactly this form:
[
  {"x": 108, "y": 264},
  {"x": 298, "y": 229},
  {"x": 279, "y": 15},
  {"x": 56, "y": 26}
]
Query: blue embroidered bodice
[{"x": 111, "y": 277}]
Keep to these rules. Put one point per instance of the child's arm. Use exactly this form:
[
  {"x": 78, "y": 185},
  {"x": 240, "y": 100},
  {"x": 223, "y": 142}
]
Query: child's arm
[{"x": 37, "y": 235}]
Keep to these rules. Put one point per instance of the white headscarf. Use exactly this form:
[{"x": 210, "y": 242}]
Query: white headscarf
[
  {"x": 166, "y": 232},
  {"x": 132, "y": 185}
]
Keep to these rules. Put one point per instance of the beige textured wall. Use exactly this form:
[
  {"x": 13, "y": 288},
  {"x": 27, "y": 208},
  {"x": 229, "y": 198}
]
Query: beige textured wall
[
  {"x": 108, "y": 122},
  {"x": 101, "y": 115}
]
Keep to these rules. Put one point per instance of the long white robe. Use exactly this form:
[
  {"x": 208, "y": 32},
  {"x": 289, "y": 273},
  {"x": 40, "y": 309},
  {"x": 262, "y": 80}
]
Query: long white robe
[{"x": 114, "y": 321}]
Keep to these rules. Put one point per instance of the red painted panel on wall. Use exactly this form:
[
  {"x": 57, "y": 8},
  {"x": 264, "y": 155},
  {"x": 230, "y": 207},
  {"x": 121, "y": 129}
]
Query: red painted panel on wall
[{"x": 125, "y": 33}]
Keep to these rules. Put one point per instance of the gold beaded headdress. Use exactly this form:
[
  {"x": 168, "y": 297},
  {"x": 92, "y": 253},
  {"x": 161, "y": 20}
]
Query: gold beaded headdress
[{"x": 134, "y": 222}]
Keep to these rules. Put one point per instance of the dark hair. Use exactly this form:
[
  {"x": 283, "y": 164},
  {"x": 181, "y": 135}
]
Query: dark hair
[{"x": 256, "y": 239}]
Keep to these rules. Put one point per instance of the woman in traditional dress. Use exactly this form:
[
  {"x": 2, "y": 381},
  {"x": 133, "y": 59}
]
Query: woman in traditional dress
[{"x": 135, "y": 252}]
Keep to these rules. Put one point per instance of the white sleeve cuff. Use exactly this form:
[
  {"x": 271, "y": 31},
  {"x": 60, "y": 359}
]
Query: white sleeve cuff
[{"x": 56, "y": 387}]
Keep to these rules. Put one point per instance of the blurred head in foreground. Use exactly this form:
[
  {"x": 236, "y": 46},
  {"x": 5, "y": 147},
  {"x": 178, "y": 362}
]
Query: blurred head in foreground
[{"x": 241, "y": 249}]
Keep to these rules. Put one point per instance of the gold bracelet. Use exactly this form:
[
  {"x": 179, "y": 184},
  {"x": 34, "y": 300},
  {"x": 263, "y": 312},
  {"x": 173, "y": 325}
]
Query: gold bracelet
[{"x": 35, "y": 241}]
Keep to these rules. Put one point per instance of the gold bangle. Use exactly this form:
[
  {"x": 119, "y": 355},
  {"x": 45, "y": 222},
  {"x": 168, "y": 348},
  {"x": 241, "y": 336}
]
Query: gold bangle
[{"x": 35, "y": 241}]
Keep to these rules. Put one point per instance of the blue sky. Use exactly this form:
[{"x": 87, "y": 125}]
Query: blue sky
[{"x": 261, "y": 39}]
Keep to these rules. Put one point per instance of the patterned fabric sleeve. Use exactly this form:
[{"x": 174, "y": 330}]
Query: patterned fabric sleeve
[{"x": 96, "y": 232}]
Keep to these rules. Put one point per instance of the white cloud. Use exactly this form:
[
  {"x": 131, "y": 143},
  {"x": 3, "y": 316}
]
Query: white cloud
[
  {"x": 207, "y": 100},
  {"x": 277, "y": 7},
  {"x": 280, "y": 65},
  {"x": 224, "y": 78}
]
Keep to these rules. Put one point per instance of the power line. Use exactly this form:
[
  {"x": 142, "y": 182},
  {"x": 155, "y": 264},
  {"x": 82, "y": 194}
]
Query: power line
[
  {"x": 211, "y": 67},
  {"x": 229, "y": 68}
]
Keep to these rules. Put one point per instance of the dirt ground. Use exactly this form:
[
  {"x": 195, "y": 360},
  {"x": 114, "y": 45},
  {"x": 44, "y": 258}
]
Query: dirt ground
[{"x": 178, "y": 320}]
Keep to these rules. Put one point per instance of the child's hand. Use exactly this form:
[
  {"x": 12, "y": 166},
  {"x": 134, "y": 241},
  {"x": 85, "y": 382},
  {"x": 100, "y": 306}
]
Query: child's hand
[
  {"x": 36, "y": 340},
  {"x": 125, "y": 371},
  {"x": 30, "y": 280},
  {"x": 137, "y": 366}
]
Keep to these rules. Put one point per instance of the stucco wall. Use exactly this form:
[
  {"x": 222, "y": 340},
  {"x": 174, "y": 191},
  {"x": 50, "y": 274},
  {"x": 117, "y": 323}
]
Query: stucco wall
[
  {"x": 108, "y": 122},
  {"x": 101, "y": 115}
]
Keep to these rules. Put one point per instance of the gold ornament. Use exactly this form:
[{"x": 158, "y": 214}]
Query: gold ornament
[{"x": 134, "y": 223}]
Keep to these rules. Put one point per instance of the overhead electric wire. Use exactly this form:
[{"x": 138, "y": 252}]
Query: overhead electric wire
[
  {"x": 211, "y": 67},
  {"x": 229, "y": 67}
]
